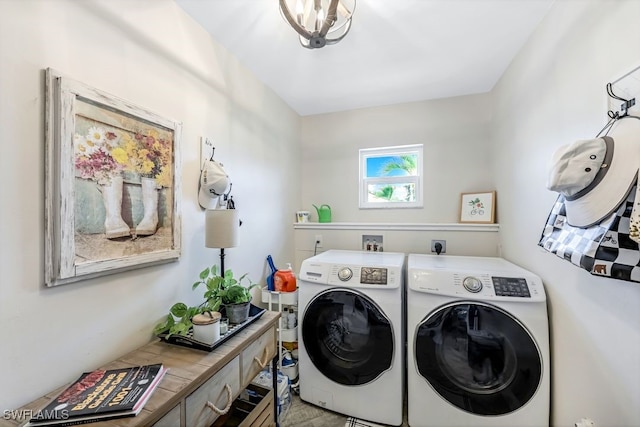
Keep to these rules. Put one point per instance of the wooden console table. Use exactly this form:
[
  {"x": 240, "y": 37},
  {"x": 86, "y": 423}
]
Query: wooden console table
[{"x": 196, "y": 381}]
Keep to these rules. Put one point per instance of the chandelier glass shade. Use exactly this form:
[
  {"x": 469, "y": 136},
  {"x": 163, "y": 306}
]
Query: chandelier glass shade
[{"x": 318, "y": 22}]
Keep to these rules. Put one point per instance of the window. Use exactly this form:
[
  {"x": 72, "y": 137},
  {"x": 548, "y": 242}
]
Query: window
[{"x": 391, "y": 177}]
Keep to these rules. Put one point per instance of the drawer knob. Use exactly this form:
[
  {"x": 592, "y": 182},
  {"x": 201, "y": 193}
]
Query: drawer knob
[
  {"x": 213, "y": 407},
  {"x": 266, "y": 358}
]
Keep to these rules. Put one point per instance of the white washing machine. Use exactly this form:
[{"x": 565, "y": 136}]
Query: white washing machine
[
  {"x": 478, "y": 343},
  {"x": 351, "y": 351}
]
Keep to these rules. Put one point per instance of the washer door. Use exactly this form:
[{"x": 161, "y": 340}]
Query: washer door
[
  {"x": 347, "y": 337},
  {"x": 478, "y": 357}
]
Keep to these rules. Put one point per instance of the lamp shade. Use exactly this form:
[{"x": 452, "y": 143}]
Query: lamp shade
[{"x": 221, "y": 228}]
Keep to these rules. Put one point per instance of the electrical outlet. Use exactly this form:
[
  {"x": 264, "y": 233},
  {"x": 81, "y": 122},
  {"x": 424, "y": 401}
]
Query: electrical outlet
[
  {"x": 318, "y": 241},
  {"x": 442, "y": 242}
]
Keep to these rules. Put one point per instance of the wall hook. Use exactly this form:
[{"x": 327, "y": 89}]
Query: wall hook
[{"x": 624, "y": 107}]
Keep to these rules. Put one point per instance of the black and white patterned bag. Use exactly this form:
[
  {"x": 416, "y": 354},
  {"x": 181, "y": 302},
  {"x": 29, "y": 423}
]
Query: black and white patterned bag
[{"x": 604, "y": 249}]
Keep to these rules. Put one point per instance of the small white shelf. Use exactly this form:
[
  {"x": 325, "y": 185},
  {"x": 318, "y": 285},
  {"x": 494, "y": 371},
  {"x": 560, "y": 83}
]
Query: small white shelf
[
  {"x": 289, "y": 335},
  {"x": 277, "y": 301},
  {"x": 283, "y": 298},
  {"x": 395, "y": 226}
]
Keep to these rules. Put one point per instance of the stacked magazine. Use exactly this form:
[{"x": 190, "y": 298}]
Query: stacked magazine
[{"x": 101, "y": 395}]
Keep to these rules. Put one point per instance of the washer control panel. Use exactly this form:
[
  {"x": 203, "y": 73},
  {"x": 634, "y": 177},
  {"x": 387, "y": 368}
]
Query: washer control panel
[
  {"x": 364, "y": 276},
  {"x": 373, "y": 275},
  {"x": 368, "y": 275}
]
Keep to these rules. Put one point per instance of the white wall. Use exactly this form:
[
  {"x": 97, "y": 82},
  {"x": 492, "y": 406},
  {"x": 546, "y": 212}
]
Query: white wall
[
  {"x": 457, "y": 156},
  {"x": 458, "y": 242},
  {"x": 151, "y": 54},
  {"x": 554, "y": 94}
]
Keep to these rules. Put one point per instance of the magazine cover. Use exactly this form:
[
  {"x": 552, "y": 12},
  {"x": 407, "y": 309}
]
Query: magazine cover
[{"x": 101, "y": 394}]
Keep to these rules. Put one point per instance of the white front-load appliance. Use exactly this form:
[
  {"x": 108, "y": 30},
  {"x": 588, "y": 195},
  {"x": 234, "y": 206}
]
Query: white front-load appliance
[
  {"x": 478, "y": 343},
  {"x": 351, "y": 351}
]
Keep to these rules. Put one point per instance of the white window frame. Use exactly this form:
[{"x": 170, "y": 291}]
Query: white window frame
[{"x": 417, "y": 180}]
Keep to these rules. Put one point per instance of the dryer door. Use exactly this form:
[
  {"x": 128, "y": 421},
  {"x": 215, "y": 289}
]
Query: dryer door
[
  {"x": 478, "y": 357},
  {"x": 347, "y": 336}
]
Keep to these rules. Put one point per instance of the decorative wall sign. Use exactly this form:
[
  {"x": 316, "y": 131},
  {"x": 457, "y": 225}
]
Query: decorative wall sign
[
  {"x": 478, "y": 207},
  {"x": 112, "y": 184}
]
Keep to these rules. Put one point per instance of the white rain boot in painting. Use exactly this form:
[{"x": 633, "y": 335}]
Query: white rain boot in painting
[
  {"x": 114, "y": 225},
  {"x": 149, "y": 223}
]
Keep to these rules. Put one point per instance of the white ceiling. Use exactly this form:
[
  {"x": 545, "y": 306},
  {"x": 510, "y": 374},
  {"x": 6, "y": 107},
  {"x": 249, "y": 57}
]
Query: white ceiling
[{"x": 397, "y": 50}]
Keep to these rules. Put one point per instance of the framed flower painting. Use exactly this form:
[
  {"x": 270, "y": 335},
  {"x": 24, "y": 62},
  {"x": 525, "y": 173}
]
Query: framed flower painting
[
  {"x": 478, "y": 207},
  {"x": 112, "y": 184}
]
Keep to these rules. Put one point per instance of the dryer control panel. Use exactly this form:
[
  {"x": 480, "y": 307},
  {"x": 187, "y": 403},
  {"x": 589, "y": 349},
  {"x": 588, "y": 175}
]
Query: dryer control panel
[
  {"x": 502, "y": 286},
  {"x": 478, "y": 285},
  {"x": 511, "y": 287}
]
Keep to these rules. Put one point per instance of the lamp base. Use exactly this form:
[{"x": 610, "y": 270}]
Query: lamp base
[{"x": 222, "y": 262}]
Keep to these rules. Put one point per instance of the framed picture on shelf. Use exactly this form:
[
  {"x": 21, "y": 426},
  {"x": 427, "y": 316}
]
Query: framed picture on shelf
[
  {"x": 112, "y": 191},
  {"x": 478, "y": 207}
]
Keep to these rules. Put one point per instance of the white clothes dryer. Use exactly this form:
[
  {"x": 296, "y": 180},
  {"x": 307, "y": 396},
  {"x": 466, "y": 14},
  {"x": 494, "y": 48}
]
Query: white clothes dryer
[
  {"x": 478, "y": 343},
  {"x": 351, "y": 351}
]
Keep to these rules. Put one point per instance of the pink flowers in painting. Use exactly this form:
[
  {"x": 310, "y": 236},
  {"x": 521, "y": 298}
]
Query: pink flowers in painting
[
  {"x": 97, "y": 166},
  {"x": 101, "y": 154},
  {"x": 93, "y": 157}
]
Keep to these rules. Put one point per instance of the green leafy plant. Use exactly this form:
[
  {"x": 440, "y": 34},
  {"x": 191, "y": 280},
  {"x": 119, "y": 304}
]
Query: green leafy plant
[
  {"x": 219, "y": 291},
  {"x": 222, "y": 290},
  {"x": 178, "y": 321}
]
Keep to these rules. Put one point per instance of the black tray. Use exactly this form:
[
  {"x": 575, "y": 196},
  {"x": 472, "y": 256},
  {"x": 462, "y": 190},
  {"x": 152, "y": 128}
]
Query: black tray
[{"x": 189, "y": 341}]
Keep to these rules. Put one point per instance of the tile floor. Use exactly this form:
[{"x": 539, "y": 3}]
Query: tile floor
[{"x": 304, "y": 414}]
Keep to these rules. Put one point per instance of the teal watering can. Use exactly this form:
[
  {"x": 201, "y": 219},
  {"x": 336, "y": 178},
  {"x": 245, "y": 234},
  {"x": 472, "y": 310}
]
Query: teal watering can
[{"x": 324, "y": 213}]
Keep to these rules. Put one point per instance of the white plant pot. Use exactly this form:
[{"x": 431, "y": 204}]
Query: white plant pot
[{"x": 206, "y": 327}]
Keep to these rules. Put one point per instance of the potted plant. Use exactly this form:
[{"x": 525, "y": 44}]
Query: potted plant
[
  {"x": 226, "y": 291},
  {"x": 219, "y": 291}
]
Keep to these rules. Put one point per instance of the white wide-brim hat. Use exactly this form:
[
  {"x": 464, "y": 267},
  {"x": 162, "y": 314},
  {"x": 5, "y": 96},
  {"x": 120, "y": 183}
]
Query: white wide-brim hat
[
  {"x": 596, "y": 175},
  {"x": 214, "y": 182}
]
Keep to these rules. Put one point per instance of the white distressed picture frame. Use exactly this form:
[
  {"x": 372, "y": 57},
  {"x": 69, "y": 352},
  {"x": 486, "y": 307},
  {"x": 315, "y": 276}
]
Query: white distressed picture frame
[{"x": 67, "y": 103}]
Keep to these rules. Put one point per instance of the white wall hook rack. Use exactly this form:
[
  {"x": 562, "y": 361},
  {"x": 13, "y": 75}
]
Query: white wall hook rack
[{"x": 623, "y": 94}]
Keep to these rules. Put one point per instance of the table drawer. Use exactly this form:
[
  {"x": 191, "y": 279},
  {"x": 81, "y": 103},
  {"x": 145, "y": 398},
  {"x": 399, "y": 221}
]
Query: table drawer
[
  {"x": 250, "y": 411},
  {"x": 265, "y": 419},
  {"x": 219, "y": 392},
  {"x": 262, "y": 414},
  {"x": 258, "y": 355}
]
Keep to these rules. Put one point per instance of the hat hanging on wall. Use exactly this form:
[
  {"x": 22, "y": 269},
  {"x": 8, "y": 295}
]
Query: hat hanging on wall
[
  {"x": 596, "y": 175},
  {"x": 214, "y": 183}
]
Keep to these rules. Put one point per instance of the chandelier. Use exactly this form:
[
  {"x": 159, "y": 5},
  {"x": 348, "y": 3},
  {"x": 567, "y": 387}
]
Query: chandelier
[{"x": 319, "y": 22}]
